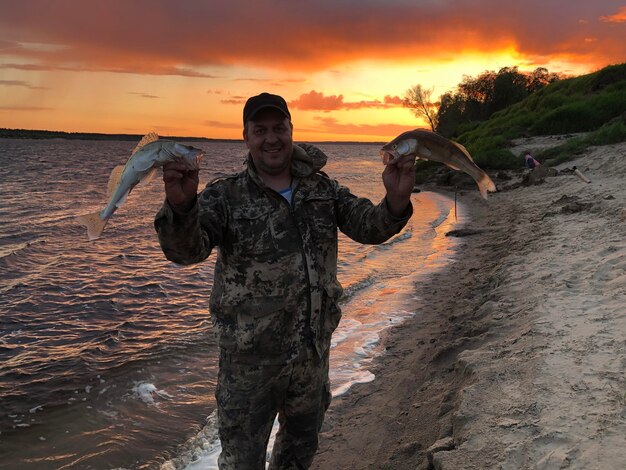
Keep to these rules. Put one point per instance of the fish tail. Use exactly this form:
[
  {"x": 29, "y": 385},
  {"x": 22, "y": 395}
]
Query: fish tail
[
  {"x": 93, "y": 222},
  {"x": 485, "y": 185}
]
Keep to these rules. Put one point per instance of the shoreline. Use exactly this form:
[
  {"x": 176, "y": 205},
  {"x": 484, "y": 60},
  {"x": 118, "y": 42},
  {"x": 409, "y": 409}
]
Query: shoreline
[
  {"x": 390, "y": 422},
  {"x": 517, "y": 359}
]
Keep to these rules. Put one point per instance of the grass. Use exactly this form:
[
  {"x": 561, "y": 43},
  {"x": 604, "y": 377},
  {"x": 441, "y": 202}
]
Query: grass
[
  {"x": 592, "y": 103},
  {"x": 610, "y": 133}
]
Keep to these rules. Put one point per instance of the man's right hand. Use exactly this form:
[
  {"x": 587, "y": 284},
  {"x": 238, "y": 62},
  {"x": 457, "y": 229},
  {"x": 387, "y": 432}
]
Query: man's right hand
[{"x": 181, "y": 185}]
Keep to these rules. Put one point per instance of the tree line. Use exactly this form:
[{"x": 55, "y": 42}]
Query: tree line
[{"x": 475, "y": 98}]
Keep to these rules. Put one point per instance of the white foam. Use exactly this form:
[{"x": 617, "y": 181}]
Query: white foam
[
  {"x": 399, "y": 238},
  {"x": 439, "y": 220},
  {"x": 35, "y": 409},
  {"x": 145, "y": 391},
  {"x": 338, "y": 338},
  {"x": 360, "y": 377},
  {"x": 203, "y": 450}
]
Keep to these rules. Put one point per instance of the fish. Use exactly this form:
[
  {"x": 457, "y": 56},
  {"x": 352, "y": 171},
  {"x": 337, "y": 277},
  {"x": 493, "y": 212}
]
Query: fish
[
  {"x": 428, "y": 145},
  {"x": 150, "y": 153}
]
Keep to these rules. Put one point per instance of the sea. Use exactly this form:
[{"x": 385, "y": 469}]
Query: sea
[{"x": 107, "y": 355}]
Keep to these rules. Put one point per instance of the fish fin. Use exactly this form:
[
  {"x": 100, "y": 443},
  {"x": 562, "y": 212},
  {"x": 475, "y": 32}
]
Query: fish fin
[
  {"x": 147, "y": 139},
  {"x": 450, "y": 165},
  {"x": 149, "y": 176},
  {"x": 485, "y": 185},
  {"x": 93, "y": 222},
  {"x": 114, "y": 178},
  {"x": 462, "y": 149}
]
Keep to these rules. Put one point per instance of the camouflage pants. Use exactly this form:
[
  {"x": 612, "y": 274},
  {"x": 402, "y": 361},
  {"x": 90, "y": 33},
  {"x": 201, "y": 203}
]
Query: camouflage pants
[{"x": 248, "y": 399}]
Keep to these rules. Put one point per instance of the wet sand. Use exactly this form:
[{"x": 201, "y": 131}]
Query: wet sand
[{"x": 518, "y": 358}]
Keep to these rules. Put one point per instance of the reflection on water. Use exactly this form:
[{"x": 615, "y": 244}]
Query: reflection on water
[{"x": 106, "y": 353}]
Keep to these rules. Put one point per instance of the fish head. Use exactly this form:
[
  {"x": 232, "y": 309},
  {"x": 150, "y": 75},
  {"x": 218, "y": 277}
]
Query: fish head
[
  {"x": 186, "y": 153},
  {"x": 405, "y": 144}
]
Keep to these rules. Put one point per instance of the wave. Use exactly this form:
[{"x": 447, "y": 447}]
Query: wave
[
  {"x": 199, "y": 452},
  {"x": 12, "y": 250},
  {"x": 439, "y": 220},
  {"x": 404, "y": 236},
  {"x": 353, "y": 289},
  {"x": 22, "y": 260}
]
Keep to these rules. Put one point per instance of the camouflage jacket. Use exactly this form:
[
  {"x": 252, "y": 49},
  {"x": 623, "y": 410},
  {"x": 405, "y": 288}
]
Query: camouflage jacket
[{"x": 275, "y": 283}]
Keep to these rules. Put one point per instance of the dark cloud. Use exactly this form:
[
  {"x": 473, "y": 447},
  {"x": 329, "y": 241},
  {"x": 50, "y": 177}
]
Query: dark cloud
[
  {"x": 144, "y": 69},
  {"x": 142, "y": 95},
  {"x": 168, "y": 37},
  {"x": 21, "y": 83},
  {"x": 234, "y": 100}
]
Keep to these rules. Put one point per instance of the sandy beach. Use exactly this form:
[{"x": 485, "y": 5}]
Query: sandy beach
[{"x": 517, "y": 359}]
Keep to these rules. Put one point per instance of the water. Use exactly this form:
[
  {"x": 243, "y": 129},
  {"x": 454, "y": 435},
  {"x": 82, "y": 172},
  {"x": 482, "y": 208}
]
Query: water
[{"x": 107, "y": 359}]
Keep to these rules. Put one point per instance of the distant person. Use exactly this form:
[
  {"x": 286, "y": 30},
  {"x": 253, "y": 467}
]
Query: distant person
[
  {"x": 529, "y": 161},
  {"x": 274, "y": 303}
]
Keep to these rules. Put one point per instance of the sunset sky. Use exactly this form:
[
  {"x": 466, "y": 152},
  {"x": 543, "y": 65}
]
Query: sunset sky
[{"x": 186, "y": 67}]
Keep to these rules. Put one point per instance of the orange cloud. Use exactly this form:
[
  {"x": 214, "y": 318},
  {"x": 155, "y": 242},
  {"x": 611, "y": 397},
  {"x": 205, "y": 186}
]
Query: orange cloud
[
  {"x": 619, "y": 17},
  {"x": 316, "y": 101},
  {"x": 393, "y": 100},
  {"x": 222, "y": 125},
  {"x": 166, "y": 37}
]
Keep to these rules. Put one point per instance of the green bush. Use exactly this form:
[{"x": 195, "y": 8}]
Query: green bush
[
  {"x": 496, "y": 159},
  {"x": 611, "y": 133},
  {"x": 572, "y": 117}
]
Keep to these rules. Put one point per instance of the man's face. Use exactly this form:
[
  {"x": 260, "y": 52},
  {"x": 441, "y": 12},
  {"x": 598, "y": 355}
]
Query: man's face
[{"x": 269, "y": 137}]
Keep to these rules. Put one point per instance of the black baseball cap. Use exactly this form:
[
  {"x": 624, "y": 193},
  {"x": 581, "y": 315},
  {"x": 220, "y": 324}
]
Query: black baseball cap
[{"x": 262, "y": 101}]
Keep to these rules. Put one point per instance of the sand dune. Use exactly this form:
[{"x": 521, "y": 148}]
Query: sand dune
[{"x": 519, "y": 359}]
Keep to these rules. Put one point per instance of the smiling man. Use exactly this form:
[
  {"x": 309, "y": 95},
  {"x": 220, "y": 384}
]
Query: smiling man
[
  {"x": 267, "y": 132},
  {"x": 274, "y": 302}
]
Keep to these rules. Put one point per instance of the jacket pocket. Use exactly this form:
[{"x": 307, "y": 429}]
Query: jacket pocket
[
  {"x": 253, "y": 230},
  {"x": 321, "y": 215},
  {"x": 264, "y": 326},
  {"x": 331, "y": 312}
]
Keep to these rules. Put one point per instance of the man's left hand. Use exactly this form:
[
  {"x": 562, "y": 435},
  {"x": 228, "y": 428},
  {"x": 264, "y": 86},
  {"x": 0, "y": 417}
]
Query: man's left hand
[{"x": 399, "y": 180}]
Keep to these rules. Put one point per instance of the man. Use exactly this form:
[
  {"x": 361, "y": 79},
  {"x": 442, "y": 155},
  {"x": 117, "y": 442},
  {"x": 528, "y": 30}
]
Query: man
[{"x": 275, "y": 293}]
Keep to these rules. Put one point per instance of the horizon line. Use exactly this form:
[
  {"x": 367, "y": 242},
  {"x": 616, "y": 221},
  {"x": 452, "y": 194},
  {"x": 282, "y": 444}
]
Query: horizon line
[{"x": 40, "y": 134}]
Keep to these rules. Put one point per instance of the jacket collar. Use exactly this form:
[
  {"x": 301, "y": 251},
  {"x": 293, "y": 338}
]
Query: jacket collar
[{"x": 306, "y": 160}]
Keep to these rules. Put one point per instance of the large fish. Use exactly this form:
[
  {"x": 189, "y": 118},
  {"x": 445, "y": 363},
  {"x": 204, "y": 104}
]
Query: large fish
[
  {"x": 149, "y": 154},
  {"x": 428, "y": 145}
]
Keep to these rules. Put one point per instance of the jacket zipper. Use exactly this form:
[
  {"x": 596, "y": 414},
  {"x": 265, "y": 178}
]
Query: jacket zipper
[{"x": 308, "y": 331}]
